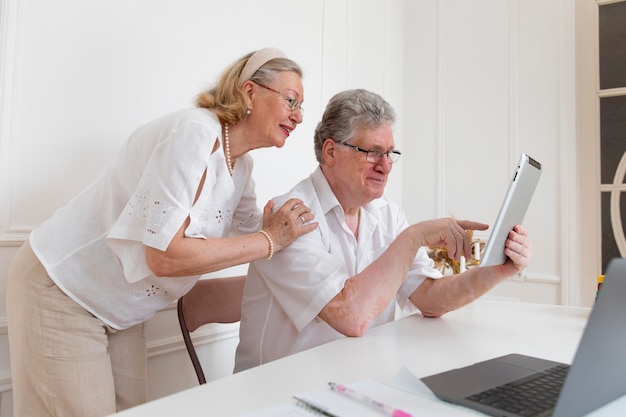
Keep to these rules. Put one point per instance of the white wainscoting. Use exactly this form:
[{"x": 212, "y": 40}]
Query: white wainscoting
[{"x": 169, "y": 367}]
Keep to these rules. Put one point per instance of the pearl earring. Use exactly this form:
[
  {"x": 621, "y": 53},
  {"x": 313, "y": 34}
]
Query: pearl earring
[{"x": 248, "y": 111}]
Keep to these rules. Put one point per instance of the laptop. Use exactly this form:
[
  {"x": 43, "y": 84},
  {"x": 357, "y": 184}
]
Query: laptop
[
  {"x": 596, "y": 376},
  {"x": 513, "y": 209}
]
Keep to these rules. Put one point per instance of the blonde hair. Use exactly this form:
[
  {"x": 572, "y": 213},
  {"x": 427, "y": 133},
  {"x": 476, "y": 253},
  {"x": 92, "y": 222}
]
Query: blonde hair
[{"x": 226, "y": 99}]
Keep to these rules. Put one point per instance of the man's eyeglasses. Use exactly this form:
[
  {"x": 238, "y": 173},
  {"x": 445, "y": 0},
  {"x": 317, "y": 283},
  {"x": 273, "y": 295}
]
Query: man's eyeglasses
[
  {"x": 291, "y": 102},
  {"x": 374, "y": 155}
]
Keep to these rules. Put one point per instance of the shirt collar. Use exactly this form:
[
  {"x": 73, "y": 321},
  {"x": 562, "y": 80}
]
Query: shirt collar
[{"x": 328, "y": 200}]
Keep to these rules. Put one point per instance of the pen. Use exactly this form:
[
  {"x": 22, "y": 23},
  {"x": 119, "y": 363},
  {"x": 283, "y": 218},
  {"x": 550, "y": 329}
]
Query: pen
[{"x": 370, "y": 402}]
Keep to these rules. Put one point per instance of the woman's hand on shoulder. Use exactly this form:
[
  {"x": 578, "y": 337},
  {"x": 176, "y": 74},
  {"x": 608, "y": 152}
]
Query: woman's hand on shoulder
[{"x": 289, "y": 222}]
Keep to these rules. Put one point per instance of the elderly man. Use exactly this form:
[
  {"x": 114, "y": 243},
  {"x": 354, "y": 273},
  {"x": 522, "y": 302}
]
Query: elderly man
[{"x": 348, "y": 274}]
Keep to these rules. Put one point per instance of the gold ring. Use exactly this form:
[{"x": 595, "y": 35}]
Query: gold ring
[{"x": 302, "y": 218}]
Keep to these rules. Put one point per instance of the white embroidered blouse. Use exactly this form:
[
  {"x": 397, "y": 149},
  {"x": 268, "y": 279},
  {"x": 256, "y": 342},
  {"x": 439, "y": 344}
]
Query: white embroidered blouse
[{"x": 94, "y": 247}]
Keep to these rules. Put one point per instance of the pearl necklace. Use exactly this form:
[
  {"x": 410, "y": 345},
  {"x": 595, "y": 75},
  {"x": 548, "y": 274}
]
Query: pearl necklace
[{"x": 231, "y": 166}]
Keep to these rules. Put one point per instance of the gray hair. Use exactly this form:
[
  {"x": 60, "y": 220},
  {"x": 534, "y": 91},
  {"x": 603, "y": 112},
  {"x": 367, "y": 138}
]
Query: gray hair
[{"x": 349, "y": 111}]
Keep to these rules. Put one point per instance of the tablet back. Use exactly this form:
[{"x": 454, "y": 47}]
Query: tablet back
[{"x": 513, "y": 210}]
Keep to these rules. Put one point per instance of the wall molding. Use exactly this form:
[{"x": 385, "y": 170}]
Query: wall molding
[
  {"x": 163, "y": 345},
  {"x": 542, "y": 278},
  {"x": 207, "y": 335},
  {"x": 13, "y": 238},
  {"x": 514, "y": 82},
  {"x": 204, "y": 336},
  {"x": 6, "y": 387},
  {"x": 9, "y": 15},
  {"x": 571, "y": 291},
  {"x": 440, "y": 133}
]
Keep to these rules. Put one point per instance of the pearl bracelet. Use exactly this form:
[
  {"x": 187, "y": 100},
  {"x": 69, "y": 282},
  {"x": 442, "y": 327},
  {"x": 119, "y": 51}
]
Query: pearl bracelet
[{"x": 271, "y": 242}]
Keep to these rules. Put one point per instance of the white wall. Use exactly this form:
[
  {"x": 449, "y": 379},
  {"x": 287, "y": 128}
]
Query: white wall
[
  {"x": 485, "y": 81},
  {"x": 474, "y": 84}
]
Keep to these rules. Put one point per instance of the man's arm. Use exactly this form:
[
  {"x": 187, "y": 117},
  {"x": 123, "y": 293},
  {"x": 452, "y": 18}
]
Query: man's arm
[
  {"x": 435, "y": 297},
  {"x": 368, "y": 293}
]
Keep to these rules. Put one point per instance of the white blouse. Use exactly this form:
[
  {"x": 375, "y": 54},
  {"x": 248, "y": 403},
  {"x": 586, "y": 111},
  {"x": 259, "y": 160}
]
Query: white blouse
[{"x": 94, "y": 247}]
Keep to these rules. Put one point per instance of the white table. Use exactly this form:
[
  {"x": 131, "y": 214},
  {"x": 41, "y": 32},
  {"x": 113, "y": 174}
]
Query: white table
[{"x": 477, "y": 332}]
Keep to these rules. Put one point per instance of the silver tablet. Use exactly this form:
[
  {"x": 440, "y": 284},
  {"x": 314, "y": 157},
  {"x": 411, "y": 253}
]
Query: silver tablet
[{"x": 513, "y": 210}]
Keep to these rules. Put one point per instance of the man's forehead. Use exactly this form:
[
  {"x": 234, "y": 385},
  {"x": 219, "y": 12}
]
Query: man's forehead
[{"x": 374, "y": 136}]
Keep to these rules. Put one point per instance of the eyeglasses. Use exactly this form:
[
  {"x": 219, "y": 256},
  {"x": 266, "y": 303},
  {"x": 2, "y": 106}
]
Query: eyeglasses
[
  {"x": 374, "y": 155},
  {"x": 291, "y": 102}
]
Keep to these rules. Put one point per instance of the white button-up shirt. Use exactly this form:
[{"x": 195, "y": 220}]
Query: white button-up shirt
[{"x": 284, "y": 296}]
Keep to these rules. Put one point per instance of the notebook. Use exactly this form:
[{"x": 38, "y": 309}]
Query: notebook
[
  {"x": 595, "y": 377},
  {"x": 326, "y": 402},
  {"x": 513, "y": 209}
]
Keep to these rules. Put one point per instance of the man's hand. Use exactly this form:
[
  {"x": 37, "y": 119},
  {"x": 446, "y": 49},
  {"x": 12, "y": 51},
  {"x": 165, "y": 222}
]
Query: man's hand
[{"x": 449, "y": 233}]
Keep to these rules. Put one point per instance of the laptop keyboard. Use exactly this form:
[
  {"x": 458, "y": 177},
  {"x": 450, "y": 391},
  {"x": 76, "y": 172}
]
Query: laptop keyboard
[{"x": 529, "y": 396}]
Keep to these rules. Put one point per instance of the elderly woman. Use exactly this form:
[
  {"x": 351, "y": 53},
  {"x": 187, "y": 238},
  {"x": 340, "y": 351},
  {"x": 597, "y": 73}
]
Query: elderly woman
[{"x": 177, "y": 202}]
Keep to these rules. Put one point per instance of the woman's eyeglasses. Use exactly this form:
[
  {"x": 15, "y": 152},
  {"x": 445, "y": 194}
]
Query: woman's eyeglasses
[{"x": 291, "y": 102}]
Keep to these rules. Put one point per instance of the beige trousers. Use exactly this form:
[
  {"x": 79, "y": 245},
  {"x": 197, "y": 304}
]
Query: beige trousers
[{"x": 65, "y": 361}]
